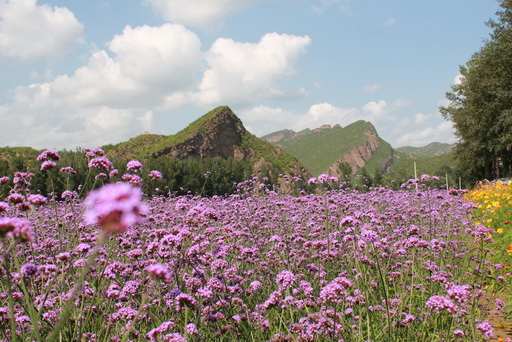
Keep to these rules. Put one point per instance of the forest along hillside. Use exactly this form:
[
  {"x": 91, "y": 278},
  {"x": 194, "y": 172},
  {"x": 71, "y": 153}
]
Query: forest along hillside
[{"x": 337, "y": 150}]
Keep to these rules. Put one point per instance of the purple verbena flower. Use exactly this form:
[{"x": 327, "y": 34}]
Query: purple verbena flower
[
  {"x": 48, "y": 155},
  {"x": 154, "y": 174},
  {"x": 28, "y": 270},
  {"x": 114, "y": 207},
  {"x": 4, "y": 207},
  {"x": 159, "y": 271},
  {"x": 439, "y": 303},
  {"x": 101, "y": 163},
  {"x": 134, "y": 166},
  {"x": 16, "y": 228},
  {"x": 47, "y": 165},
  {"x": 37, "y": 199},
  {"x": 285, "y": 279},
  {"x": 68, "y": 169},
  {"x": 486, "y": 328}
]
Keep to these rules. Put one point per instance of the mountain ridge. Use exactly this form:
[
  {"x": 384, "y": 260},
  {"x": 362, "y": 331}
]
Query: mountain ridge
[
  {"x": 433, "y": 149},
  {"x": 217, "y": 134},
  {"x": 329, "y": 149}
]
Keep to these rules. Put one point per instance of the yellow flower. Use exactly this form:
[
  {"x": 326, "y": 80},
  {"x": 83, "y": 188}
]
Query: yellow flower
[
  {"x": 499, "y": 230},
  {"x": 509, "y": 249}
]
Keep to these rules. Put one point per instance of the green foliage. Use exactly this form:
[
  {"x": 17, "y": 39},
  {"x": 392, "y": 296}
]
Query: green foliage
[
  {"x": 319, "y": 149},
  {"x": 382, "y": 156},
  {"x": 142, "y": 146},
  {"x": 281, "y": 161},
  {"x": 402, "y": 168},
  {"x": 139, "y": 147},
  {"x": 481, "y": 105},
  {"x": 179, "y": 176},
  {"x": 431, "y": 150},
  {"x": 208, "y": 176}
]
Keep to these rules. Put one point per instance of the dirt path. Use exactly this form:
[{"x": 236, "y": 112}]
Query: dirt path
[{"x": 502, "y": 328}]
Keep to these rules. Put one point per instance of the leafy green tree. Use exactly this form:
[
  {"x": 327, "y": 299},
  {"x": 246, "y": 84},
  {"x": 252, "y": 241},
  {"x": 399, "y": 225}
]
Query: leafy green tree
[
  {"x": 345, "y": 171},
  {"x": 481, "y": 104},
  {"x": 377, "y": 178}
]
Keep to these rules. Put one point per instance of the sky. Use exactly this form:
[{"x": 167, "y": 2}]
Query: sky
[{"x": 85, "y": 73}]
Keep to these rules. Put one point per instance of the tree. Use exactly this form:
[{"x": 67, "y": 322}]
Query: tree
[
  {"x": 481, "y": 104},
  {"x": 345, "y": 171}
]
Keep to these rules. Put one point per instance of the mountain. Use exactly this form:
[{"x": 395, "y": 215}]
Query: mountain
[
  {"x": 217, "y": 134},
  {"x": 327, "y": 149},
  {"x": 431, "y": 150}
]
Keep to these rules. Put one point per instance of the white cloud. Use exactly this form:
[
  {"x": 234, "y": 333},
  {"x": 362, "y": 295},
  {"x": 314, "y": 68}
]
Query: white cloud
[
  {"x": 376, "y": 110},
  {"x": 106, "y": 100},
  {"x": 145, "y": 69},
  {"x": 420, "y": 118},
  {"x": 458, "y": 79},
  {"x": 371, "y": 88},
  {"x": 442, "y": 132},
  {"x": 29, "y": 31},
  {"x": 204, "y": 14},
  {"x": 149, "y": 64},
  {"x": 422, "y": 128},
  {"x": 245, "y": 72},
  {"x": 168, "y": 55},
  {"x": 262, "y": 120}
]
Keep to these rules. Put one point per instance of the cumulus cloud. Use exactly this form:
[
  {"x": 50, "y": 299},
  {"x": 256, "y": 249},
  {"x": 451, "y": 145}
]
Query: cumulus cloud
[
  {"x": 53, "y": 123},
  {"x": 204, "y": 14},
  {"x": 422, "y": 128},
  {"x": 245, "y": 72},
  {"x": 144, "y": 70},
  {"x": 262, "y": 120},
  {"x": 148, "y": 64},
  {"x": 458, "y": 79},
  {"x": 371, "y": 88},
  {"x": 107, "y": 99},
  {"x": 420, "y": 118},
  {"x": 29, "y": 31},
  {"x": 444, "y": 132}
]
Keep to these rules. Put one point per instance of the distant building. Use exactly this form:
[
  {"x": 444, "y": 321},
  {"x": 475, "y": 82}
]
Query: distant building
[{"x": 145, "y": 133}]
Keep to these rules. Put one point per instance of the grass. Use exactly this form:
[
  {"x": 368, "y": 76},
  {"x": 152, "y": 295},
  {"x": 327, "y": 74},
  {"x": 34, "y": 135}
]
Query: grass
[
  {"x": 337, "y": 264},
  {"x": 317, "y": 150}
]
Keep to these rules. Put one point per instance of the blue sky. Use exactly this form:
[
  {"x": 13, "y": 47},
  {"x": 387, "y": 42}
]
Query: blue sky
[{"x": 77, "y": 73}]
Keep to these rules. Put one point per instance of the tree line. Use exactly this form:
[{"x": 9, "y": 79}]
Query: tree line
[
  {"x": 481, "y": 104},
  {"x": 207, "y": 176}
]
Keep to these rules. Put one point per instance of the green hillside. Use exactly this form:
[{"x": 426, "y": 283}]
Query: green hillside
[
  {"x": 403, "y": 167},
  {"x": 142, "y": 146},
  {"x": 318, "y": 149},
  {"x": 431, "y": 150},
  {"x": 383, "y": 155},
  {"x": 246, "y": 146},
  {"x": 282, "y": 160}
]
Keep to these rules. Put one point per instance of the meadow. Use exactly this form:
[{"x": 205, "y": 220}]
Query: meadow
[{"x": 329, "y": 263}]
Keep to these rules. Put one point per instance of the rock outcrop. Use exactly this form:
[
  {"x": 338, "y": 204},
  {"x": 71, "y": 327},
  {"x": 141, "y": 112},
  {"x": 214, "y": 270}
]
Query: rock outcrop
[
  {"x": 325, "y": 149},
  {"x": 219, "y": 136},
  {"x": 358, "y": 156}
]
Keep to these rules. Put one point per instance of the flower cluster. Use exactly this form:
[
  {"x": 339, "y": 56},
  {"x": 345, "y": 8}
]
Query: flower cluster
[
  {"x": 114, "y": 207},
  {"x": 337, "y": 265}
]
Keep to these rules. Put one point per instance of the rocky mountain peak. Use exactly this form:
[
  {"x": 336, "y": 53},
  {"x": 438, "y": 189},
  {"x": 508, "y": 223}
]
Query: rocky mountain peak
[{"x": 217, "y": 134}]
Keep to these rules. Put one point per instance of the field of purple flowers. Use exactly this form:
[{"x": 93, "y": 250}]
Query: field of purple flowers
[{"x": 259, "y": 265}]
